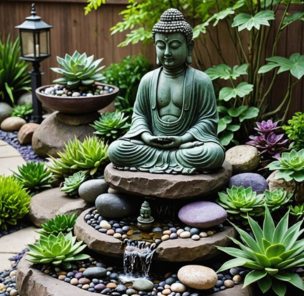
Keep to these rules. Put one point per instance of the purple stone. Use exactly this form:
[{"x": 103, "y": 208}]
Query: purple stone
[
  {"x": 202, "y": 214},
  {"x": 255, "y": 181},
  {"x": 78, "y": 275}
]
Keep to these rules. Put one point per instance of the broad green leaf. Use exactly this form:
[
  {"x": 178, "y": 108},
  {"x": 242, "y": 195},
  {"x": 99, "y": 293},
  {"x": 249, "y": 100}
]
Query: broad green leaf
[
  {"x": 292, "y": 278},
  {"x": 247, "y": 21},
  {"x": 222, "y": 15},
  {"x": 267, "y": 3},
  {"x": 236, "y": 112},
  {"x": 227, "y": 119},
  {"x": 293, "y": 17},
  {"x": 268, "y": 226},
  {"x": 222, "y": 109},
  {"x": 272, "y": 271},
  {"x": 257, "y": 232},
  {"x": 251, "y": 112},
  {"x": 223, "y": 71},
  {"x": 262, "y": 259},
  {"x": 226, "y": 137},
  {"x": 221, "y": 125},
  {"x": 233, "y": 263},
  {"x": 295, "y": 64},
  {"x": 275, "y": 250},
  {"x": 265, "y": 284},
  {"x": 279, "y": 287},
  {"x": 281, "y": 229},
  {"x": 243, "y": 89},
  {"x": 254, "y": 276},
  {"x": 233, "y": 127}
]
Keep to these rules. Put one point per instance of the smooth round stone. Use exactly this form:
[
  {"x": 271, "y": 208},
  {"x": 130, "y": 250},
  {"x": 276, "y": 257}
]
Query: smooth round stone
[
  {"x": 194, "y": 231},
  {"x": 228, "y": 283},
  {"x": 84, "y": 281},
  {"x": 233, "y": 271},
  {"x": 5, "y": 111},
  {"x": 121, "y": 288},
  {"x": 169, "y": 281},
  {"x": 165, "y": 237},
  {"x": 197, "y": 277},
  {"x": 74, "y": 282},
  {"x": 117, "y": 235},
  {"x": 202, "y": 214},
  {"x": 130, "y": 291},
  {"x": 89, "y": 190},
  {"x": 76, "y": 94},
  {"x": 257, "y": 182},
  {"x": 13, "y": 123},
  {"x": 113, "y": 206},
  {"x": 105, "y": 224},
  {"x": 185, "y": 234},
  {"x": 166, "y": 291},
  {"x": 99, "y": 287},
  {"x": 85, "y": 287},
  {"x": 237, "y": 278},
  {"x": 61, "y": 277},
  {"x": 203, "y": 234},
  {"x": 95, "y": 272},
  {"x": 110, "y": 232},
  {"x": 143, "y": 285},
  {"x": 178, "y": 288},
  {"x": 173, "y": 236},
  {"x": 195, "y": 237}
]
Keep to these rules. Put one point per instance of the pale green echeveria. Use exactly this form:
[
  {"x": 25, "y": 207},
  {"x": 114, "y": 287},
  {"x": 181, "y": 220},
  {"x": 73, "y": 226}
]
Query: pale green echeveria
[
  {"x": 78, "y": 69},
  {"x": 241, "y": 201},
  {"x": 72, "y": 183},
  {"x": 57, "y": 250},
  {"x": 276, "y": 198},
  {"x": 61, "y": 223},
  {"x": 290, "y": 166},
  {"x": 271, "y": 254},
  {"x": 297, "y": 211}
]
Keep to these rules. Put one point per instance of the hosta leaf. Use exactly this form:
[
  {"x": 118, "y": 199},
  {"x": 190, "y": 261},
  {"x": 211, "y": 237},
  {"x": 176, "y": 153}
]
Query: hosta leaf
[
  {"x": 247, "y": 21},
  {"x": 254, "y": 276},
  {"x": 249, "y": 113},
  {"x": 226, "y": 137},
  {"x": 236, "y": 112}
]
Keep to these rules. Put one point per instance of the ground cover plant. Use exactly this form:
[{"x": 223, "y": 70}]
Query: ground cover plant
[
  {"x": 22, "y": 111},
  {"x": 271, "y": 254},
  {"x": 14, "y": 201},
  {"x": 14, "y": 77},
  {"x": 295, "y": 130}
]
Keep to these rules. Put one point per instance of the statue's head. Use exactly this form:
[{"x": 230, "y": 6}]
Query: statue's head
[{"x": 172, "y": 26}]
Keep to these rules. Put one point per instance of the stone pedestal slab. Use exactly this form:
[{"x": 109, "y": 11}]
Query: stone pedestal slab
[{"x": 166, "y": 185}]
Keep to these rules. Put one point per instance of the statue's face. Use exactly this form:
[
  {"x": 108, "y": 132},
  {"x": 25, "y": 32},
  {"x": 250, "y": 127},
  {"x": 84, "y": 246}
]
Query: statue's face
[{"x": 171, "y": 49}]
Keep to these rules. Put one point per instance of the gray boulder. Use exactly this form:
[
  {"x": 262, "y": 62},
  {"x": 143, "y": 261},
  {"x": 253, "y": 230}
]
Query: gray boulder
[
  {"x": 89, "y": 190},
  {"x": 5, "y": 111}
]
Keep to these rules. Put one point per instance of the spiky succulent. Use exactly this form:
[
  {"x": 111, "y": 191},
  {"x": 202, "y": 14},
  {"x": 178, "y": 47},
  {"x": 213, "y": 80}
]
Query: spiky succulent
[
  {"x": 22, "y": 110},
  {"x": 240, "y": 201},
  {"x": 87, "y": 156},
  {"x": 271, "y": 253},
  {"x": 111, "y": 126},
  {"x": 276, "y": 198},
  {"x": 34, "y": 176},
  {"x": 78, "y": 69},
  {"x": 14, "y": 201},
  {"x": 58, "y": 250},
  {"x": 297, "y": 210},
  {"x": 61, "y": 223},
  {"x": 290, "y": 166},
  {"x": 72, "y": 183}
]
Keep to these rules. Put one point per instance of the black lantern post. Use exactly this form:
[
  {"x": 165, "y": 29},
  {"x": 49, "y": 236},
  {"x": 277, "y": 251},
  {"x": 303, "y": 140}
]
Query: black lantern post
[{"x": 35, "y": 47}]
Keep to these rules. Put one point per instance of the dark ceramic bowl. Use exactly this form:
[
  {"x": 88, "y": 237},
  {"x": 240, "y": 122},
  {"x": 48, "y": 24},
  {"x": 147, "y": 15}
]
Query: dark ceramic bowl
[{"x": 76, "y": 105}]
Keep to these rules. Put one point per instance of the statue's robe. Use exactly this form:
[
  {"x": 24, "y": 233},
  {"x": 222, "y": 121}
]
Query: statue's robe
[{"x": 198, "y": 117}]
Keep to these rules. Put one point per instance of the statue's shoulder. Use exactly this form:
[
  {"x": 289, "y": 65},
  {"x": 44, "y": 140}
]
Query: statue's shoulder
[
  {"x": 200, "y": 76},
  {"x": 148, "y": 77}
]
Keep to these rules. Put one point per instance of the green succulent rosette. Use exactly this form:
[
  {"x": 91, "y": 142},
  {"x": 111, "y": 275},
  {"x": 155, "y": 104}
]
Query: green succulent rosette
[
  {"x": 290, "y": 166},
  {"x": 276, "y": 198},
  {"x": 72, "y": 183}
]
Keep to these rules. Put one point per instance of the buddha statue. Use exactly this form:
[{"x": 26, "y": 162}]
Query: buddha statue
[{"x": 174, "y": 122}]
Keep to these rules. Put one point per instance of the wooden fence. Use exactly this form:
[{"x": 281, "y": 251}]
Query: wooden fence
[{"x": 91, "y": 34}]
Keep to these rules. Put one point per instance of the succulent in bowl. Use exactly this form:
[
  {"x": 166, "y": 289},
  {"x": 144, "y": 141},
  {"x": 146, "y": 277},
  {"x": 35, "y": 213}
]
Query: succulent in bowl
[
  {"x": 78, "y": 69},
  {"x": 72, "y": 183},
  {"x": 58, "y": 250},
  {"x": 241, "y": 202},
  {"x": 61, "y": 223}
]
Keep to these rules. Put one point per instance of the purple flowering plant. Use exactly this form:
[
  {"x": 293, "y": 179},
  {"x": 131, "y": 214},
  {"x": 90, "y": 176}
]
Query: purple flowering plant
[{"x": 268, "y": 142}]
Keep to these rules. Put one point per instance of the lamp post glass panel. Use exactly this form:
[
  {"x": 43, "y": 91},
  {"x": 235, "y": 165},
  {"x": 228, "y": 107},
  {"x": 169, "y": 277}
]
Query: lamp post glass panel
[{"x": 35, "y": 47}]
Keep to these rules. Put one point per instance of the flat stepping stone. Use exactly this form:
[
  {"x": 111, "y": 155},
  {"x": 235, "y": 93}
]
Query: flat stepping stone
[
  {"x": 166, "y": 185},
  {"x": 49, "y": 203},
  {"x": 175, "y": 250},
  {"x": 32, "y": 282}
]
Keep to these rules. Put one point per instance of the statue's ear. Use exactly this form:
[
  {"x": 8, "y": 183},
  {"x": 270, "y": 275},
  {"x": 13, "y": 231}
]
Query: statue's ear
[
  {"x": 157, "y": 61},
  {"x": 189, "y": 53}
]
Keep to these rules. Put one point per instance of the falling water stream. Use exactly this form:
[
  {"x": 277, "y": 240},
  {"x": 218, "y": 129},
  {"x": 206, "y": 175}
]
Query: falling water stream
[{"x": 138, "y": 257}]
